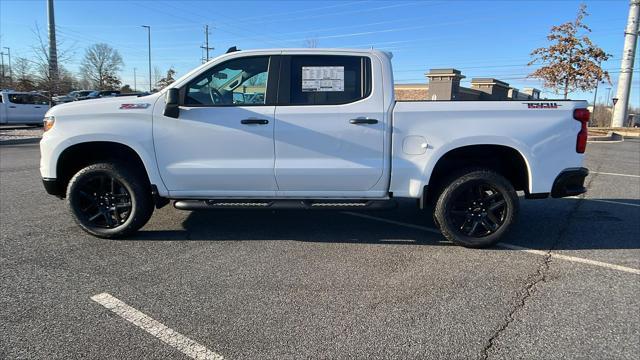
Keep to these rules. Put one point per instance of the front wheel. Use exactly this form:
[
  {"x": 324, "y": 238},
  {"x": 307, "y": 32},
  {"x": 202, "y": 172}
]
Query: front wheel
[
  {"x": 476, "y": 208},
  {"x": 109, "y": 200}
]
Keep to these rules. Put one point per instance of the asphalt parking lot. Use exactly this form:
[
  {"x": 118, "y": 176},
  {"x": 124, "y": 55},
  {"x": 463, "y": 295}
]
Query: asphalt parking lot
[{"x": 323, "y": 284}]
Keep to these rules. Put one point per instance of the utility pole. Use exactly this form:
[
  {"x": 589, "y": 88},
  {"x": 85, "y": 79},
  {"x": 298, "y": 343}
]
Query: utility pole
[
  {"x": 595, "y": 97},
  {"x": 135, "y": 87},
  {"x": 53, "y": 52},
  {"x": 206, "y": 47},
  {"x": 626, "y": 67},
  {"x": 10, "y": 71},
  {"x": 2, "y": 65},
  {"x": 149, "y": 42}
]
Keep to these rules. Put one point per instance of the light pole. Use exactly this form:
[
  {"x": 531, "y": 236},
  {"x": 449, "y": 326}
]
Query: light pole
[
  {"x": 10, "y": 71},
  {"x": 134, "y": 80},
  {"x": 149, "y": 41},
  {"x": 2, "y": 65}
]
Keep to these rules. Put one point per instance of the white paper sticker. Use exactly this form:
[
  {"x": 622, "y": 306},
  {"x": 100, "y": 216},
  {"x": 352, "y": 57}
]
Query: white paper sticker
[{"x": 322, "y": 78}]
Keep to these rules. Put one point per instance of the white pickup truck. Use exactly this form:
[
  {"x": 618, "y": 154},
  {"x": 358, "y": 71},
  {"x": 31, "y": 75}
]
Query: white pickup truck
[
  {"x": 309, "y": 129},
  {"x": 22, "y": 107}
]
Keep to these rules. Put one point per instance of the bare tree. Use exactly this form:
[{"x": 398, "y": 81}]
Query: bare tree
[
  {"x": 157, "y": 75},
  {"x": 165, "y": 81},
  {"x": 101, "y": 65},
  {"x": 23, "y": 72},
  {"x": 311, "y": 43},
  {"x": 41, "y": 62},
  {"x": 572, "y": 61}
]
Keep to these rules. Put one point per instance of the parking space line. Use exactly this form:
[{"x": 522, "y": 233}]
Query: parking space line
[
  {"x": 613, "y": 202},
  {"x": 572, "y": 258},
  {"x": 512, "y": 247},
  {"x": 605, "y": 201},
  {"x": 418, "y": 227},
  {"x": 167, "y": 335},
  {"x": 614, "y": 174}
]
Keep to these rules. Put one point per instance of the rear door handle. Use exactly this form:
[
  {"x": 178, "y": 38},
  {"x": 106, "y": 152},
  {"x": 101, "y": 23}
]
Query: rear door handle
[
  {"x": 12, "y": 107},
  {"x": 37, "y": 107},
  {"x": 254, "y": 122},
  {"x": 363, "y": 121}
]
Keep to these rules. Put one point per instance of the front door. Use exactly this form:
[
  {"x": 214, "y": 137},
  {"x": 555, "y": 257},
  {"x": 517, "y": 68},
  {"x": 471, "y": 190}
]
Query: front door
[
  {"x": 330, "y": 126},
  {"x": 221, "y": 144}
]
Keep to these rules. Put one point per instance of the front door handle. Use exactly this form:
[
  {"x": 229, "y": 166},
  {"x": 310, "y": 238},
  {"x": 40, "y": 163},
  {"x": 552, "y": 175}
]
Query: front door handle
[
  {"x": 363, "y": 121},
  {"x": 37, "y": 107},
  {"x": 254, "y": 122}
]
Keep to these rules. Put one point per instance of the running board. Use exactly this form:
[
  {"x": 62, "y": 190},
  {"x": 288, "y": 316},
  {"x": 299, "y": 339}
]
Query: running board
[{"x": 284, "y": 204}]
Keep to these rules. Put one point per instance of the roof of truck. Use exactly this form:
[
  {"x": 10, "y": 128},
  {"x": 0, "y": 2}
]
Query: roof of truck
[{"x": 318, "y": 51}]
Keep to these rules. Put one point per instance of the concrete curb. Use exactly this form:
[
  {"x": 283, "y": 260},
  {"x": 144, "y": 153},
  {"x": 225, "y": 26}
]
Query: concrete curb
[
  {"x": 610, "y": 137},
  {"x": 20, "y": 141}
]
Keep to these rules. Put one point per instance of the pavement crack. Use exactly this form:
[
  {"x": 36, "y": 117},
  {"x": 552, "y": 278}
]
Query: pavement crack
[{"x": 540, "y": 276}]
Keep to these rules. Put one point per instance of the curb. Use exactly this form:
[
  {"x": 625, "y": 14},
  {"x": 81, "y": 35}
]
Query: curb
[
  {"x": 610, "y": 137},
  {"x": 20, "y": 141}
]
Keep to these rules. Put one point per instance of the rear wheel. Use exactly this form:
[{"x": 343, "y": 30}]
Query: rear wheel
[
  {"x": 476, "y": 208},
  {"x": 109, "y": 200}
]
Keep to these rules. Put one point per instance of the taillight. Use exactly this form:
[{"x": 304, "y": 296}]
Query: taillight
[{"x": 582, "y": 115}]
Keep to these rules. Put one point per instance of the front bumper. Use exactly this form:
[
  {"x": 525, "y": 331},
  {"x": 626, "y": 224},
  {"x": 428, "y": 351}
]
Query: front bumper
[
  {"x": 570, "y": 182},
  {"x": 52, "y": 186}
]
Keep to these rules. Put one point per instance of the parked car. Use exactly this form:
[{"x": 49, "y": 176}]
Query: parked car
[
  {"x": 325, "y": 134},
  {"x": 72, "y": 96},
  {"x": 99, "y": 94},
  {"x": 22, "y": 107}
]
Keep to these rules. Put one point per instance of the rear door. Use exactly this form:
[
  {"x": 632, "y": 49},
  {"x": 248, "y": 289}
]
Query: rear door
[
  {"x": 18, "y": 108},
  {"x": 329, "y": 131}
]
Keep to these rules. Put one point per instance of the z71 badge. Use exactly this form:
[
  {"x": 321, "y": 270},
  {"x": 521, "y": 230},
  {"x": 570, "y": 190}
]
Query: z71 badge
[
  {"x": 543, "y": 105},
  {"x": 134, "y": 106}
]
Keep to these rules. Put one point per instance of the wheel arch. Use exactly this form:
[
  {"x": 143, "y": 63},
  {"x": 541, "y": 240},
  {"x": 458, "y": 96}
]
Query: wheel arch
[
  {"x": 506, "y": 159},
  {"x": 81, "y": 154}
]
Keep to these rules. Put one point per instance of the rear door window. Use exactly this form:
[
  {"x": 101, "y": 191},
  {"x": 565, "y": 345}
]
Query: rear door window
[
  {"x": 327, "y": 79},
  {"x": 20, "y": 98}
]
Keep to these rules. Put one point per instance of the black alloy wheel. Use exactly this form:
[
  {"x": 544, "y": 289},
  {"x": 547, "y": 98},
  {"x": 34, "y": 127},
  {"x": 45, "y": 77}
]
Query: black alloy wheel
[
  {"x": 110, "y": 199},
  {"x": 477, "y": 210},
  {"x": 476, "y": 207},
  {"x": 103, "y": 201}
]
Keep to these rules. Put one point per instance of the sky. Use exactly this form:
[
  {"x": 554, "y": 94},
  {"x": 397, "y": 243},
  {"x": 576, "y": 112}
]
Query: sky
[{"x": 480, "y": 38}]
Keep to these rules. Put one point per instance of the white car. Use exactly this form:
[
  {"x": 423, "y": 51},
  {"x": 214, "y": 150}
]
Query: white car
[
  {"x": 22, "y": 107},
  {"x": 326, "y": 133}
]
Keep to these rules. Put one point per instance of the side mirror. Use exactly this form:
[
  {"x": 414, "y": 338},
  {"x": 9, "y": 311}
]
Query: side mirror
[{"x": 172, "y": 101}]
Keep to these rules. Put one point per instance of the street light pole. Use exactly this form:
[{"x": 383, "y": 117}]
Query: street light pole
[
  {"x": 10, "y": 71},
  {"x": 149, "y": 42},
  {"x": 135, "y": 87}
]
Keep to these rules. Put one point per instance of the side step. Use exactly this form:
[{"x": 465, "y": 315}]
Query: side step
[{"x": 283, "y": 204}]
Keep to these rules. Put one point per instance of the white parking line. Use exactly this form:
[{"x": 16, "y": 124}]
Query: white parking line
[
  {"x": 512, "y": 247},
  {"x": 614, "y": 174},
  {"x": 572, "y": 258},
  {"x": 605, "y": 201},
  {"x": 614, "y": 202},
  {"x": 418, "y": 227},
  {"x": 167, "y": 335}
]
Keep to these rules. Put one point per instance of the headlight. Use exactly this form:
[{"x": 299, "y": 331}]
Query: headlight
[{"x": 48, "y": 122}]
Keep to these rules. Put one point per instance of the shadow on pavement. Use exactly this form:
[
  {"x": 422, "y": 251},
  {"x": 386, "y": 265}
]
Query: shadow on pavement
[{"x": 559, "y": 223}]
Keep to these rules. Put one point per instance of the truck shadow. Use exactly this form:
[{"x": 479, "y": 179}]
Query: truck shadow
[{"x": 561, "y": 224}]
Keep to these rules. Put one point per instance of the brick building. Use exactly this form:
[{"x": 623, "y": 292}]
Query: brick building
[{"x": 444, "y": 84}]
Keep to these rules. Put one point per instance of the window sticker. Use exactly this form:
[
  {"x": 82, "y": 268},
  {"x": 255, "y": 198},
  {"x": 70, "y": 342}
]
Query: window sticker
[{"x": 322, "y": 78}]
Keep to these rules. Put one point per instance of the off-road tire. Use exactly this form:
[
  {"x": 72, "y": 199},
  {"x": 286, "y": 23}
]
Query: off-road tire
[
  {"x": 458, "y": 190},
  {"x": 130, "y": 181}
]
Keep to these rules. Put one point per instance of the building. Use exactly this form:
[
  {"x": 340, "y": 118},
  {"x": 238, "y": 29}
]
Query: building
[{"x": 444, "y": 84}]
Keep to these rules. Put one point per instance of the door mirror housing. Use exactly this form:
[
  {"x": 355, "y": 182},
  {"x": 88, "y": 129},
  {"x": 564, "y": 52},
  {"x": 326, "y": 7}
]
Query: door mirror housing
[{"x": 172, "y": 103}]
